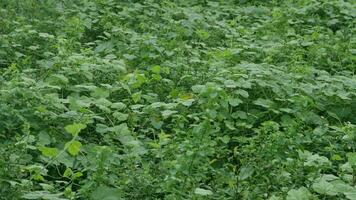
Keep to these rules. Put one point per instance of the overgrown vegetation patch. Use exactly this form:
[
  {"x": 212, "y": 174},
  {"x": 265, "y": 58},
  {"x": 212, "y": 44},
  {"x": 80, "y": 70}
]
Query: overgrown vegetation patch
[{"x": 186, "y": 99}]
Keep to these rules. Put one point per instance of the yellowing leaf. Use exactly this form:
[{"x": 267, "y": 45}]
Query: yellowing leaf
[
  {"x": 77, "y": 175},
  {"x": 73, "y": 147},
  {"x": 75, "y": 129},
  {"x": 136, "y": 97},
  {"x": 68, "y": 173},
  {"x": 156, "y": 69}
]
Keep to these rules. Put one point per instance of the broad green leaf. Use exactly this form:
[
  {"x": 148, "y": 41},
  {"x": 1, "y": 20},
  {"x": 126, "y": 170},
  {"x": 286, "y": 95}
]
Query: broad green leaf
[
  {"x": 298, "y": 194},
  {"x": 202, "y": 34},
  {"x": 136, "y": 97},
  {"x": 324, "y": 187},
  {"x": 230, "y": 125},
  {"x": 100, "y": 93},
  {"x": 77, "y": 175},
  {"x": 187, "y": 102},
  {"x": 239, "y": 115},
  {"x": 317, "y": 161},
  {"x": 346, "y": 167},
  {"x": 351, "y": 194},
  {"x": 275, "y": 198},
  {"x": 49, "y": 152},
  {"x": 211, "y": 113},
  {"x": 66, "y": 159},
  {"x": 46, "y": 195},
  {"x": 102, "y": 128},
  {"x": 156, "y": 69},
  {"x": 230, "y": 84},
  {"x": 129, "y": 56},
  {"x": 235, "y": 101},
  {"x": 104, "y": 46},
  {"x": 203, "y": 192},
  {"x": 73, "y": 147},
  {"x": 243, "y": 93},
  {"x": 351, "y": 157},
  {"x": 120, "y": 116},
  {"x": 341, "y": 187},
  {"x": 336, "y": 157},
  {"x": 68, "y": 173},
  {"x": 167, "y": 113},
  {"x": 60, "y": 78},
  {"x": 75, "y": 129},
  {"x": 266, "y": 103},
  {"x": 225, "y": 139},
  {"x": 106, "y": 193},
  {"x": 118, "y": 106},
  {"x": 46, "y": 35},
  {"x": 197, "y": 88},
  {"x": 330, "y": 177},
  {"x": 44, "y": 139},
  {"x": 245, "y": 172},
  {"x": 156, "y": 123}
]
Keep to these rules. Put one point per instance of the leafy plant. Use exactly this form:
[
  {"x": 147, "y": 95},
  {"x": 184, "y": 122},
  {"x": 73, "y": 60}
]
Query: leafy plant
[{"x": 193, "y": 99}]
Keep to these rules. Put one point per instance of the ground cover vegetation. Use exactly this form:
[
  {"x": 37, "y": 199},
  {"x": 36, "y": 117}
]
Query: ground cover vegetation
[{"x": 182, "y": 99}]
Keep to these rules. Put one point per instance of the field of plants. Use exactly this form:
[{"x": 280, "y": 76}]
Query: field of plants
[{"x": 178, "y": 99}]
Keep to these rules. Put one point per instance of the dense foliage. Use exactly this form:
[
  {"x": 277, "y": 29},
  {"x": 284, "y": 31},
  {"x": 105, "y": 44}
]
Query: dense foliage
[{"x": 185, "y": 99}]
